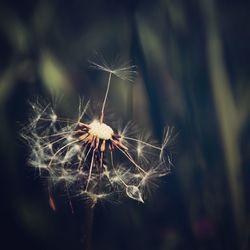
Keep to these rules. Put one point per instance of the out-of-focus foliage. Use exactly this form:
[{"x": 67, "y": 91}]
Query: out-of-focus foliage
[{"x": 193, "y": 63}]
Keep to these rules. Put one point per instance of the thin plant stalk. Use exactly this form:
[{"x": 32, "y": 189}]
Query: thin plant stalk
[{"x": 88, "y": 225}]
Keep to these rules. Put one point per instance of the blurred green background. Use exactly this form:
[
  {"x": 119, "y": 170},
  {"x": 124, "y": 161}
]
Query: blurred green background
[{"x": 193, "y": 62}]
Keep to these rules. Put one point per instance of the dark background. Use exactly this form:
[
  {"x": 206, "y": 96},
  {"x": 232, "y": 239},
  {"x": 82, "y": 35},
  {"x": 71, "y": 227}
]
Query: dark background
[{"x": 193, "y": 68}]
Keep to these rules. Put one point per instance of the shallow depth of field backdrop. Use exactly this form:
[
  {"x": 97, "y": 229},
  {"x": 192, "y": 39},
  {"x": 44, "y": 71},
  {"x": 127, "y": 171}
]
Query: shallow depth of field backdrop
[{"x": 193, "y": 62}]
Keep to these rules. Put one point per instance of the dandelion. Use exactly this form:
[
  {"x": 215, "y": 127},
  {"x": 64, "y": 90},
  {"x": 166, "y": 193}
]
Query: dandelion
[{"x": 91, "y": 158}]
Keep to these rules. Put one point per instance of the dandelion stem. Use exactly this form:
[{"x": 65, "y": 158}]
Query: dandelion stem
[
  {"x": 88, "y": 225},
  {"x": 105, "y": 98}
]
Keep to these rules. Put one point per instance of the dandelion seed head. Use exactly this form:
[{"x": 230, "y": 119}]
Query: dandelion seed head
[
  {"x": 93, "y": 159},
  {"x": 101, "y": 130}
]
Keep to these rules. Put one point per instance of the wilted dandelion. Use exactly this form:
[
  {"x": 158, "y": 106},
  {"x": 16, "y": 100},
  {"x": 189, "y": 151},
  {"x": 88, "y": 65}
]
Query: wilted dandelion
[{"x": 91, "y": 158}]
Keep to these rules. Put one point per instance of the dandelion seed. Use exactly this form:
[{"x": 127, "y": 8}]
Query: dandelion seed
[
  {"x": 134, "y": 193},
  {"x": 53, "y": 118},
  {"x": 125, "y": 71},
  {"x": 85, "y": 155}
]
